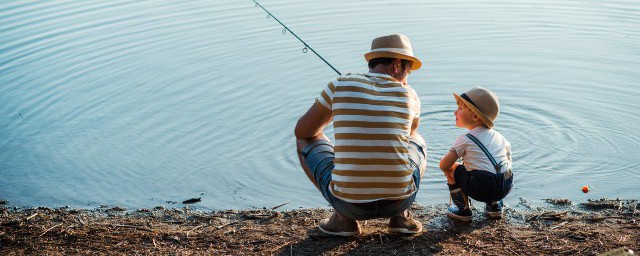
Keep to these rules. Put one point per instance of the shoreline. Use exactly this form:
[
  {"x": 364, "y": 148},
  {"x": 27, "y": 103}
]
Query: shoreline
[{"x": 592, "y": 227}]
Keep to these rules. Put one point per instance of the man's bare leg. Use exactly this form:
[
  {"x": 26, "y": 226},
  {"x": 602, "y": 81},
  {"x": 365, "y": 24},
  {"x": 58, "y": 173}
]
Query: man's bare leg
[
  {"x": 403, "y": 223},
  {"x": 337, "y": 222},
  {"x": 301, "y": 144},
  {"x": 423, "y": 165}
]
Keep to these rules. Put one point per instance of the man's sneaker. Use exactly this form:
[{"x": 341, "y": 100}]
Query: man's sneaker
[
  {"x": 339, "y": 226},
  {"x": 404, "y": 224},
  {"x": 460, "y": 210},
  {"x": 494, "y": 210}
]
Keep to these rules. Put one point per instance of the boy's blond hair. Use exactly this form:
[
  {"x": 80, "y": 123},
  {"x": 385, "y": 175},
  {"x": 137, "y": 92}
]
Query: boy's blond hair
[{"x": 462, "y": 105}]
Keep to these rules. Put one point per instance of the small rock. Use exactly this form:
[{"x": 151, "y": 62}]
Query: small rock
[
  {"x": 559, "y": 201},
  {"x": 3, "y": 201},
  {"x": 192, "y": 200},
  {"x": 117, "y": 209}
]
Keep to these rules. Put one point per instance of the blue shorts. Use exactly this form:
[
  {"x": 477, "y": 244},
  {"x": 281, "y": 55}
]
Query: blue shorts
[{"x": 319, "y": 157}]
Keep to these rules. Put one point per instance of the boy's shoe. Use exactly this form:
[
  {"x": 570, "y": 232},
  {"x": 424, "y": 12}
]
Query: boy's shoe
[
  {"x": 464, "y": 214},
  {"x": 460, "y": 210},
  {"x": 494, "y": 210},
  {"x": 404, "y": 224}
]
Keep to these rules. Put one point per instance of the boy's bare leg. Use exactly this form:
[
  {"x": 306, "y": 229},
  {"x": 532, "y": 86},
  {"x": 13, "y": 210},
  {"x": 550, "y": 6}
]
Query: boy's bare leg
[
  {"x": 450, "y": 174},
  {"x": 460, "y": 209}
]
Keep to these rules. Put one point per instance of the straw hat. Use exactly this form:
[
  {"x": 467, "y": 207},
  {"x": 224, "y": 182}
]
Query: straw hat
[
  {"x": 393, "y": 46},
  {"x": 483, "y": 103}
]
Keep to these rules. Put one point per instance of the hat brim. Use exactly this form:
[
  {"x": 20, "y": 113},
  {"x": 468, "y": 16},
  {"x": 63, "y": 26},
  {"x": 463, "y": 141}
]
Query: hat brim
[
  {"x": 486, "y": 120},
  {"x": 415, "y": 65}
]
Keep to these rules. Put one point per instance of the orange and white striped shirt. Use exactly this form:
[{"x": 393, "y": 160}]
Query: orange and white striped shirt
[{"x": 372, "y": 117}]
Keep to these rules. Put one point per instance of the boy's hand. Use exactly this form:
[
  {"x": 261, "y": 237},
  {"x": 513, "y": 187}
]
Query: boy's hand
[{"x": 454, "y": 166}]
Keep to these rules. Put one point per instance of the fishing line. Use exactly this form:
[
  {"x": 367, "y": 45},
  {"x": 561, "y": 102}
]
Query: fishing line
[{"x": 284, "y": 31}]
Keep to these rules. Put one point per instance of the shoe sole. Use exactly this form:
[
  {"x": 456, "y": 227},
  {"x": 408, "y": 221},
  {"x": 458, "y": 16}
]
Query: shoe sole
[
  {"x": 404, "y": 230},
  {"x": 337, "y": 233},
  {"x": 460, "y": 218},
  {"x": 494, "y": 215}
]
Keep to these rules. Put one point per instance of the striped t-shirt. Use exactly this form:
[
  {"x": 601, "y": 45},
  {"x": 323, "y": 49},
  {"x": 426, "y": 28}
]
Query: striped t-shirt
[{"x": 372, "y": 117}]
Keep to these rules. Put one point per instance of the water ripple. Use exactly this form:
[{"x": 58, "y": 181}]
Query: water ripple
[{"x": 127, "y": 99}]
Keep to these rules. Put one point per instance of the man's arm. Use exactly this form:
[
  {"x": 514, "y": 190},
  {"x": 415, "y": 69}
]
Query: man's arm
[
  {"x": 414, "y": 125},
  {"x": 311, "y": 123}
]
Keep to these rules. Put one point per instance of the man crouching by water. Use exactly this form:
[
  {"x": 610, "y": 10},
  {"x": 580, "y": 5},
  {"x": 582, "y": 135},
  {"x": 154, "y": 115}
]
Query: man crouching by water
[{"x": 375, "y": 167}]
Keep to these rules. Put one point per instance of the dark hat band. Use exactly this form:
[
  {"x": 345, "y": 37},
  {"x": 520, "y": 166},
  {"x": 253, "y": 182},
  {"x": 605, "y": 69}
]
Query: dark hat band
[{"x": 465, "y": 97}]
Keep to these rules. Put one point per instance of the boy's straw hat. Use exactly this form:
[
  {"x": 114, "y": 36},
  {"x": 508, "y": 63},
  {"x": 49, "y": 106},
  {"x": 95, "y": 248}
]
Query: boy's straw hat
[
  {"x": 483, "y": 103},
  {"x": 393, "y": 46}
]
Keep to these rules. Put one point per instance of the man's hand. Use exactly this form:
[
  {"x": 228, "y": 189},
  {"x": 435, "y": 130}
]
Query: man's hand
[{"x": 311, "y": 123}]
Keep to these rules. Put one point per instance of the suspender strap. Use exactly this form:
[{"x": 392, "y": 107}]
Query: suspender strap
[{"x": 486, "y": 152}]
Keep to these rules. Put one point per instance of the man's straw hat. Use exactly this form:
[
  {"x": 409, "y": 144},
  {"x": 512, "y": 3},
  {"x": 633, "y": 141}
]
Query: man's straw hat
[
  {"x": 393, "y": 46},
  {"x": 483, "y": 103}
]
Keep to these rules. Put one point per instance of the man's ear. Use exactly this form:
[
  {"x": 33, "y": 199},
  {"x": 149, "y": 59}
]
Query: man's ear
[{"x": 397, "y": 65}]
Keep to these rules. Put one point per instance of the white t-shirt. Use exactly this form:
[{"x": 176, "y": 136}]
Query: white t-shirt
[{"x": 473, "y": 158}]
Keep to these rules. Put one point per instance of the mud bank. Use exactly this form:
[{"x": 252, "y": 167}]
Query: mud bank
[{"x": 563, "y": 228}]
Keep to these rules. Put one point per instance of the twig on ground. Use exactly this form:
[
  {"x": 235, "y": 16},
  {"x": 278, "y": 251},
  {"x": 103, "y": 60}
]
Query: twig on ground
[
  {"x": 81, "y": 221},
  {"x": 49, "y": 229},
  {"x": 558, "y": 201},
  {"x": 548, "y": 216},
  {"x": 134, "y": 227},
  {"x": 31, "y": 217},
  {"x": 228, "y": 224},
  {"x": 559, "y": 225},
  {"x": 278, "y": 206},
  {"x": 200, "y": 226}
]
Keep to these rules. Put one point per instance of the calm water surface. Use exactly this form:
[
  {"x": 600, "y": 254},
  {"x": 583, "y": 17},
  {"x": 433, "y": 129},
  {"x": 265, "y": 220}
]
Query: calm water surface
[{"x": 136, "y": 103}]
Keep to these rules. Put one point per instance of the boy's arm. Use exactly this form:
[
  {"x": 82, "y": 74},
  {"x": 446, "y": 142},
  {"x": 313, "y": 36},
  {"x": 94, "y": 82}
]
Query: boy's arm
[{"x": 448, "y": 160}]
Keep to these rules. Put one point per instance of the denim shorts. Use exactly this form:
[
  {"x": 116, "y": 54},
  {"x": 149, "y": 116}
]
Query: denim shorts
[
  {"x": 319, "y": 157},
  {"x": 483, "y": 186}
]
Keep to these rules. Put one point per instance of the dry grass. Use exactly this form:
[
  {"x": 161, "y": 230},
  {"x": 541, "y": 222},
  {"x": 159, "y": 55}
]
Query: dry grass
[{"x": 268, "y": 232}]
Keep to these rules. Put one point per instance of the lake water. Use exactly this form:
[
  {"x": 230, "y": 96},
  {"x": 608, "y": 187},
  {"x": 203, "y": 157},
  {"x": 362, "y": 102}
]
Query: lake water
[{"x": 136, "y": 103}]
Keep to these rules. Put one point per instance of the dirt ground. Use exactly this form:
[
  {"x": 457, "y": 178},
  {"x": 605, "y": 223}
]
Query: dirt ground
[{"x": 562, "y": 228}]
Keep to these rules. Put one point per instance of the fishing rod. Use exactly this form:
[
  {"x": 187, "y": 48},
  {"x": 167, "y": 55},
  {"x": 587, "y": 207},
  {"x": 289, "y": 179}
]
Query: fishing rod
[{"x": 284, "y": 31}]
